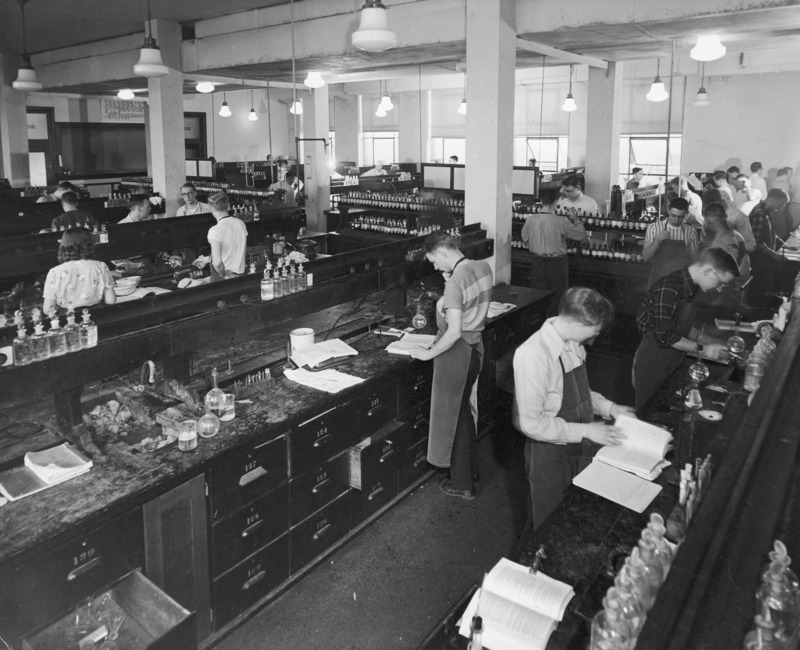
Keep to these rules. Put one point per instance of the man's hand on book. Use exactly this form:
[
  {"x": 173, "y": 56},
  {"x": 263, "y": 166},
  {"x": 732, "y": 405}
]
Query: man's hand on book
[
  {"x": 619, "y": 409},
  {"x": 603, "y": 434}
]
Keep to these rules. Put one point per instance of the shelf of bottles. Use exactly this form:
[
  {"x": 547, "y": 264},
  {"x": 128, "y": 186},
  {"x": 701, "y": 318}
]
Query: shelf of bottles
[
  {"x": 33, "y": 343},
  {"x": 33, "y": 191},
  {"x": 616, "y": 251},
  {"x": 596, "y": 222},
  {"x": 396, "y": 202}
]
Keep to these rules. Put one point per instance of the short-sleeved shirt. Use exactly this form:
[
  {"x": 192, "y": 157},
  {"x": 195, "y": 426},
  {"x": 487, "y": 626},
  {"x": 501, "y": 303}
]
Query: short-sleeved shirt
[
  {"x": 74, "y": 219},
  {"x": 232, "y": 234},
  {"x": 79, "y": 282},
  {"x": 200, "y": 208},
  {"x": 582, "y": 204},
  {"x": 546, "y": 233},
  {"x": 470, "y": 291},
  {"x": 659, "y": 311}
]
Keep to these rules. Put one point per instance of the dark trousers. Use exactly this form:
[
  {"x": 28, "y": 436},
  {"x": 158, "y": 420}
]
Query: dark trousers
[
  {"x": 462, "y": 456},
  {"x": 550, "y": 274}
]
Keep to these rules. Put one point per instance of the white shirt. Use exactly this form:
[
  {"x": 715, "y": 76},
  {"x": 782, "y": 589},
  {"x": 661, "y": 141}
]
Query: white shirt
[
  {"x": 231, "y": 233},
  {"x": 200, "y": 208},
  {"x": 539, "y": 387},
  {"x": 758, "y": 183},
  {"x": 582, "y": 204}
]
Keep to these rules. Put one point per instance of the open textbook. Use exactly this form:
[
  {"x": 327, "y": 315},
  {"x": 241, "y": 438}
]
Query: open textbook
[
  {"x": 43, "y": 469},
  {"x": 641, "y": 452},
  {"x": 410, "y": 341},
  {"x": 519, "y": 609},
  {"x": 315, "y": 355}
]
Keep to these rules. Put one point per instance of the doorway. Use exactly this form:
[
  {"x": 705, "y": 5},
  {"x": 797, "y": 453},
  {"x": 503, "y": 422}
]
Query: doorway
[{"x": 42, "y": 142}]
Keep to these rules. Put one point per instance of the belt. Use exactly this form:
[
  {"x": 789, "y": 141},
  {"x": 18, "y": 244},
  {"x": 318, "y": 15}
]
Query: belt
[{"x": 549, "y": 255}]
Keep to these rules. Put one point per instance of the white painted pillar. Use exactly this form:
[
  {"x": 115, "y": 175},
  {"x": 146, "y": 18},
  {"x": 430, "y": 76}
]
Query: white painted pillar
[
  {"x": 345, "y": 126},
  {"x": 166, "y": 140},
  {"x": 317, "y": 173},
  {"x": 491, "y": 50},
  {"x": 414, "y": 125},
  {"x": 14, "y": 150},
  {"x": 603, "y": 131}
]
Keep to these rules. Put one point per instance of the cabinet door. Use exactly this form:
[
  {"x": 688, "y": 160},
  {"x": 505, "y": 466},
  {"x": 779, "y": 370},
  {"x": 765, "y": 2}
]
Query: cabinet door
[
  {"x": 376, "y": 407},
  {"x": 319, "y": 532},
  {"x": 322, "y": 437},
  {"x": 417, "y": 420},
  {"x": 317, "y": 487},
  {"x": 176, "y": 541},
  {"x": 373, "y": 496},
  {"x": 416, "y": 465},
  {"x": 415, "y": 386}
]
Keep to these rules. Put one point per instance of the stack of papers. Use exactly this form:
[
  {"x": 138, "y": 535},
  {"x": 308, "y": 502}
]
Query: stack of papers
[
  {"x": 615, "y": 485},
  {"x": 43, "y": 469},
  {"x": 497, "y": 308},
  {"x": 330, "y": 381},
  {"x": 314, "y": 355},
  {"x": 409, "y": 341}
]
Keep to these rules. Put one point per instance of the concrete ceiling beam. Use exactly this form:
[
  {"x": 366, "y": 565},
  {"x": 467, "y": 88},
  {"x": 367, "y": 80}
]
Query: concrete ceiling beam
[{"x": 561, "y": 55}]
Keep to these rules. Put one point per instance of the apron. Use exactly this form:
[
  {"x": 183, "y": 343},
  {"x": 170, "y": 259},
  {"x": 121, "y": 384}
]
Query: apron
[
  {"x": 551, "y": 467},
  {"x": 670, "y": 256},
  {"x": 450, "y": 370},
  {"x": 653, "y": 364}
]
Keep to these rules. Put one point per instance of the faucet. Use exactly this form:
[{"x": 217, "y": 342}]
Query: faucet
[{"x": 151, "y": 378}]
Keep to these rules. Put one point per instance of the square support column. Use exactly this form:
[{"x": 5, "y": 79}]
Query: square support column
[
  {"x": 603, "y": 131},
  {"x": 315, "y": 159},
  {"x": 346, "y": 126},
  {"x": 491, "y": 54},
  {"x": 14, "y": 161},
  {"x": 166, "y": 139}
]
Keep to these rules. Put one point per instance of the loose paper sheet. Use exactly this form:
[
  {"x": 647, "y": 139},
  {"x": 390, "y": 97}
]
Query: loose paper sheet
[{"x": 618, "y": 486}]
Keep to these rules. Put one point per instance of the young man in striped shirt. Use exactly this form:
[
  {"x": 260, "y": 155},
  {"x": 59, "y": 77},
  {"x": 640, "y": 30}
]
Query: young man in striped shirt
[{"x": 669, "y": 244}]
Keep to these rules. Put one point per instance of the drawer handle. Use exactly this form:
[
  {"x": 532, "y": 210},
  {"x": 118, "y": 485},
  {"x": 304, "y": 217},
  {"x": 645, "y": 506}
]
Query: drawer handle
[
  {"x": 320, "y": 485},
  {"x": 252, "y": 528},
  {"x": 419, "y": 461},
  {"x": 252, "y": 475},
  {"x": 258, "y": 577},
  {"x": 322, "y": 441},
  {"x": 386, "y": 455},
  {"x": 422, "y": 383},
  {"x": 322, "y": 531},
  {"x": 374, "y": 410},
  {"x": 374, "y": 493},
  {"x": 85, "y": 568}
]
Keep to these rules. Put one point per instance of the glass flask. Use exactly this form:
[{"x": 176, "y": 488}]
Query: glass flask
[
  {"x": 419, "y": 321},
  {"x": 763, "y": 637},
  {"x": 215, "y": 398},
  {"x": 775, "y": 600}
]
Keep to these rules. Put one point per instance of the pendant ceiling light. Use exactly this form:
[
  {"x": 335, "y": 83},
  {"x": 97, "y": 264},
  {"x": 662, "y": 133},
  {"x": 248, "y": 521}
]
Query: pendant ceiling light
[
  {"x": 125, "y": 93},
  {"x": 708, "y": 48},
  {"x": 569, "y": 104},
  {"x": 204, "y": 87},
  {"x": 224, "y": 110},
  {"x": 253, "y": 116},
  {"x": 386, "y": 101},
  {"x": 380, "y": 112},
  {"x": 702, "y": 96},
  {"x": 26, "y": 75},
  {"x": 297, "y": 107},
  {"x": 658, "y": 93},
  {"x": 150, "y": 63},
  {"x": 373, "y": 33},
  {"x": 314, "y": 80}
]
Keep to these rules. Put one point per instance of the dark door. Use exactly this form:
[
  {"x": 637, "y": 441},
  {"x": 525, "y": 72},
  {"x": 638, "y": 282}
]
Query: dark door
[{"x": 41, "y": 139}]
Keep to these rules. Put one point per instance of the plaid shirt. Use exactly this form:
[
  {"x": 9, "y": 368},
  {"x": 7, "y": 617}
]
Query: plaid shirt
[
  {"x": 761, "y": 224},
  {"x": 659, "y": 311}
]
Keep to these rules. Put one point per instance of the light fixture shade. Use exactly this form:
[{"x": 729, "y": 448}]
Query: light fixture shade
[
  {"x": 253, "y": 116},
  {"x": 386, "y": 102},
  {"x": 462, "y": 107},
  {"x": 373, "y": 33},
  {"x": 708, "y": 48},
  {"x": 380, "y": 112},
  {"x": 314, "y": 80},
  {"x": 26, "y": 77},
  {"x": 701, "y": 99},
  {"x": 125, "y": 93},
  {"x": 224, "y": 110},
  {"x": 658, "y": 93},
  {"x": 204, "y": 87},
  {"x": 150, "y": 63},
  {"x": 297, "y": 107},
  {"x": 569, "y": 104}
]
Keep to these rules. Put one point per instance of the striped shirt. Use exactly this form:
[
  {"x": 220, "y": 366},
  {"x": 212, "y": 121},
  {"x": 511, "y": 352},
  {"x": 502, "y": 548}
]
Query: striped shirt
[
  {"x": 683, "y": 233},
  {"x": 470, "y": 291}
]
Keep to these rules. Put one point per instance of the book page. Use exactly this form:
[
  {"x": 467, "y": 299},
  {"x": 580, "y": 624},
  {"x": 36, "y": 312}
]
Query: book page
[
  {"x": 57, "y": 463},
  {"x": 534, "y": 591},
  {"x": 313, "y": 355},
  {"x": 507, "y": 625},
  {"x": 643, "y": 436},
  {"x": 645, "y": 465},
  {"x": 617, "y": 485},
  {"x": 411, "y": 341}
]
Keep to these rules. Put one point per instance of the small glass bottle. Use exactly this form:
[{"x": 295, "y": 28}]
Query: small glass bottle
[
  {"x": 278, "y": 285},
  {"x": 267, "y": 287},
  {"x": 775, "y": 596},
  {"x": 88, "y": 330},
  {"x": 609, "y": 631},
  {"x": 763, "y": 637},
  {"x": 630, "y": 608},
  {"x": 103, "y": 234},
  {"x": 215, "y": 398},
  {"x": 56, "y": 337},
  {"x": 285, "y": 282},
  {"x": 187, "y": 435},
  {"x": 303, "y": 278},
  {"x": 73, "y": 333},
  {"x": 23, "y": 355},
  {"x": 654, "y": 571},
  {"x": 40, "y": 346}
]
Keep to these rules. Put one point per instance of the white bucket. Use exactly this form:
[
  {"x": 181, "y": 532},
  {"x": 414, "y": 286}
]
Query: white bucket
[{"x": 301, "y": 338}]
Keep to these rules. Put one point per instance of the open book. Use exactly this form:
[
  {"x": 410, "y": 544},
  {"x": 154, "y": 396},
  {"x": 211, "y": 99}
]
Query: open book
[
  {"x": 404, "y": 345},
  {"x": 43, "y": 469},
  {"x": 315, "y": 355},
  {"x": 643, "y": 450},
  {"x": 519, "y": 609}
]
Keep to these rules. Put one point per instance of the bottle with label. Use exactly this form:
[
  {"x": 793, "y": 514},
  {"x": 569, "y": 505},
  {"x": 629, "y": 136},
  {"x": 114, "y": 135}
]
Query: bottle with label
[
  {"x": 88, "y": 330},
  {"x": 215, "y": 398},
  {"x": 40, "y": 347},
  {"x": 56, "y": 337},
  {"x": 103, "y": 234},
  {"x": 73, "y": 333},
  {"x": 23, "y": 354},
  {"x": 303, "y": 278},
  {"x": 277, "y": 284},
  {"x": 267, "y": 287}
]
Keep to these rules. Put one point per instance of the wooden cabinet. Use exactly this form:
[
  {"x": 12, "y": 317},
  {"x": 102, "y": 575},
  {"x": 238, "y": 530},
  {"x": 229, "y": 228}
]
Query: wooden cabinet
[
  {"x": 318, "y": 439},
  {"x": 317, "y": 487},
  {"x": 319, "y": 532}
]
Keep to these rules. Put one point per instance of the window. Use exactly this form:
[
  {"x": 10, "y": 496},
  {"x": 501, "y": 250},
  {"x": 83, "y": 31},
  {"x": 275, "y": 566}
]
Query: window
[
  {"x": 379, "y": 147},
  {"x": 550, "y": 153},
  {"x": 650, "y": 153},
  {"x": 443, "y": 147}
]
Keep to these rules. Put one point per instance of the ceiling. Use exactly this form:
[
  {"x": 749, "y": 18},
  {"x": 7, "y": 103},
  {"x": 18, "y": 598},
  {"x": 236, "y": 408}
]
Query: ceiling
[{"x": 52, "y": 24}]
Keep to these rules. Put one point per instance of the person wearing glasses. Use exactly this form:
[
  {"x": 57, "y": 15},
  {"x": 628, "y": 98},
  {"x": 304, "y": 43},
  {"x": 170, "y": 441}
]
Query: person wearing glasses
[
  {"x": 190, "y": 203},
  {"x": 670, "y": 243},
  {"x": 572, "y": 197},
  {"x": 665, "y": 321}
]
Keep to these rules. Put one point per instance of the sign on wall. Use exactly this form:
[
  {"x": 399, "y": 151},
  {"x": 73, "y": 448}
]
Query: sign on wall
[
  {"x": 122, "y": 110},
  {"x": 37, "y": 127}
]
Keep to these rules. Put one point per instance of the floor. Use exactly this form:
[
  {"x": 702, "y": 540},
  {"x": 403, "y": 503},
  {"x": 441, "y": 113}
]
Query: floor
[{"x": 390, "y": 585}]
